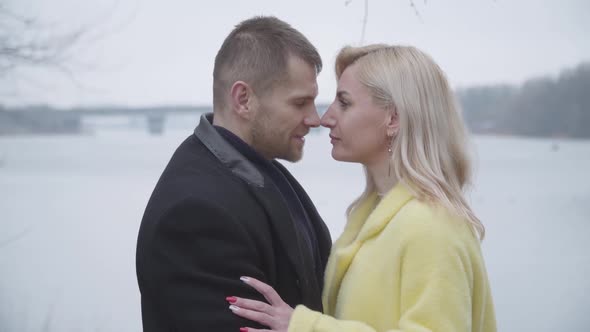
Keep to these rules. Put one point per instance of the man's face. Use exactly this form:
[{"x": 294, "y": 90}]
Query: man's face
[{"x": 284, "y": 115}]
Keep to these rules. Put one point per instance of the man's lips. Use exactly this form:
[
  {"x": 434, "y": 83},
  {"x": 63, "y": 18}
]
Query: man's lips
[{"x": 299, "y": 137}]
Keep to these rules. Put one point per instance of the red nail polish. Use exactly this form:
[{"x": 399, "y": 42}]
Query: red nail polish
[
  {"x": 231, "y": 299},
  {"x": 243, "y": 329}
]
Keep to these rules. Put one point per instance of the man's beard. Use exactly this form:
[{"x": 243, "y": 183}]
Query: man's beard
[{"x": 270, "y": 142}]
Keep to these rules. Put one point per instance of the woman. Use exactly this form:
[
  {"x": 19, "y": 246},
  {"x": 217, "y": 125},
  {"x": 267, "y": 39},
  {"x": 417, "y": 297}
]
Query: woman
[{"x": 409, "y": 258}]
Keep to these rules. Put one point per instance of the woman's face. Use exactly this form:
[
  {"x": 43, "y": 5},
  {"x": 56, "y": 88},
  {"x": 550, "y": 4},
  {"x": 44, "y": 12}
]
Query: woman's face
[{"x": 358, "y": 127}]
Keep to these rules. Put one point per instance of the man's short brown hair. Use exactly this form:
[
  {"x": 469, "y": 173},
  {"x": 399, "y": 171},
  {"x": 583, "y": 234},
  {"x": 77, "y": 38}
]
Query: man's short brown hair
[{"x": 256, "y": 52}]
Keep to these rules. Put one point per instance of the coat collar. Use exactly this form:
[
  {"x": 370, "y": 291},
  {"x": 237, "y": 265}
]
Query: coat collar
[
  {"x": 372, "y": 215},
  {"x": 226, "y": 153},
  {"x": 366, "y": 221}
]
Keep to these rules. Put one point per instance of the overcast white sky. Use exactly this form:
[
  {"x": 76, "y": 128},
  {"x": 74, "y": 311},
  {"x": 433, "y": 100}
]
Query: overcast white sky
[{"x": 162, "y": 52}]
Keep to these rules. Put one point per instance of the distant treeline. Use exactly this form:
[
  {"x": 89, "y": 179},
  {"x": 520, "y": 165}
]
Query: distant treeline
[{"x": 541, "y": 107}]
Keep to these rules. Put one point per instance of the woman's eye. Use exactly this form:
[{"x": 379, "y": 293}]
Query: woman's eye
[{"x": 343, "y": 103}]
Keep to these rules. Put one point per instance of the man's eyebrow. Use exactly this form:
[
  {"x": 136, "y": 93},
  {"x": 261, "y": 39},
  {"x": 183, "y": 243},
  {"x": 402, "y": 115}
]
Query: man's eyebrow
[{"x": 304, "y": 97}]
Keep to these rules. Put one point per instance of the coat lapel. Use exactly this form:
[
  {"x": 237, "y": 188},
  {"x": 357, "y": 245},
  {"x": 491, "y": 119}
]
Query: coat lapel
[
  {"x": 282, "y": 224},
  {"x": 321, "y": 230},
  {"x": 365, "y": 222}
]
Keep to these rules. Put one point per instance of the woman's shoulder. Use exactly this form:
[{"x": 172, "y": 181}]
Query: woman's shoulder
[{"x": 425, "y": 221}]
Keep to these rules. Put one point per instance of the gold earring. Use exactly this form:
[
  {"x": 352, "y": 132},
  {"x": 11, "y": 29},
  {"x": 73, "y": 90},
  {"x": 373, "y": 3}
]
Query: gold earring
[{"x": 390, "y": 151}]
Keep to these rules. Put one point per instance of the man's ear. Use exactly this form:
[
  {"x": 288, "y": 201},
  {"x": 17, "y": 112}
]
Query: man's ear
[
  {"x": 242, "y": 98},
  {"x": 392, "y": 122}
]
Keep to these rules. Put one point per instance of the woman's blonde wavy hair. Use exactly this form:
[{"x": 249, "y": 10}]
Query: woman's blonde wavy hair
[{"x": 430, "y": 149}]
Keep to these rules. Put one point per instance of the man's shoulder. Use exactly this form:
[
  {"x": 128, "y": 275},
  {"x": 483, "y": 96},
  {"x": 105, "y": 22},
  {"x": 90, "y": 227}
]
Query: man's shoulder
[
  {"x": 192, "y": 159},
  {"x": 193, "y": 151},
  {"x": 193, "y": 172}
]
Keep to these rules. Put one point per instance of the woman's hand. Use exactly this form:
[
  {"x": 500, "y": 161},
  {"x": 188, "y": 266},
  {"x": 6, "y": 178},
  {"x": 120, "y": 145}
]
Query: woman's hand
[{"x": 275, "y": 315}]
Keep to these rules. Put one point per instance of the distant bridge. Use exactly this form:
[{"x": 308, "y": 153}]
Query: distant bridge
[
  {"x": 156, "y": 116},
  {"x": 45, "y": 120}
]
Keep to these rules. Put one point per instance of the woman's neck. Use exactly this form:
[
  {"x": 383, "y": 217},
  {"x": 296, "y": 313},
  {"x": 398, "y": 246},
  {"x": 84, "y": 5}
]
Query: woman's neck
[{"x": 382, "y": 175}]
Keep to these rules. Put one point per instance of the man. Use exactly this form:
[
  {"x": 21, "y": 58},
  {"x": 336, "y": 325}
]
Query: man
[{"x": 223, "y": 207}]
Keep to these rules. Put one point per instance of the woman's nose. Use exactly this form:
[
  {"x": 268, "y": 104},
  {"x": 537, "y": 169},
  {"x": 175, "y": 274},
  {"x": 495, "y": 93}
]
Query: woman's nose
[{"x": 328, "y": 119}]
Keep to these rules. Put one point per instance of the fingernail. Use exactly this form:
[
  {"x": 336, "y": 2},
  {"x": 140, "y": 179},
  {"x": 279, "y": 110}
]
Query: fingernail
[
  {"x": 243, "y": 329},
  {"x": 233, "y": 308},
  {"x": 231, "y": 299},
  {"x": 245, "y": 279}
]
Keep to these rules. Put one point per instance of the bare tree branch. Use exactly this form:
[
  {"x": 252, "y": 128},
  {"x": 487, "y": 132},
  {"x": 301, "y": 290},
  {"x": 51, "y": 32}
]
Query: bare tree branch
[
  {"x": 366, "y": 15},
  {"x": 15, "y": 237},
  {"x": 365, "y": 19},
  {"x": 413, "y": 5},
  {"x": 29, "y": 44}
]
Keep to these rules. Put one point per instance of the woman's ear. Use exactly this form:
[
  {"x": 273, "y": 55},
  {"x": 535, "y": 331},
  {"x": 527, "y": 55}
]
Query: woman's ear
[
  {"x": 242, "y": 98},
  {"x": 392, "y": 122}
]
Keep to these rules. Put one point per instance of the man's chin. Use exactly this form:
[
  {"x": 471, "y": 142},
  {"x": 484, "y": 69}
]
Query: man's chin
[{"x": 293, "y": 156}]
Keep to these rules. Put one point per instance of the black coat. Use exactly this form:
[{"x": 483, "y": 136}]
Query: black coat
[{"x": 212, "y": 218}]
